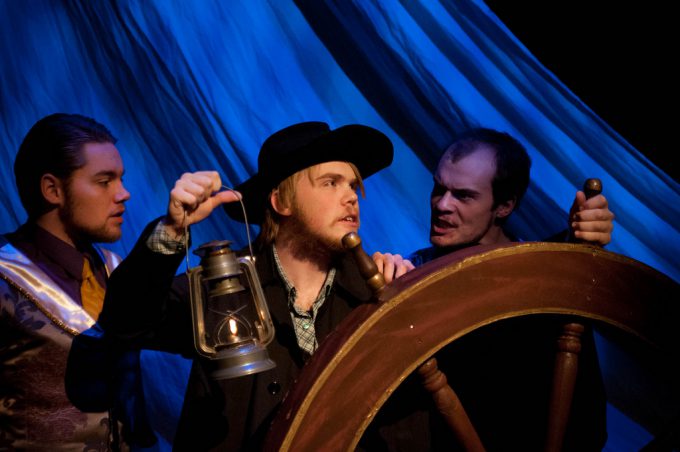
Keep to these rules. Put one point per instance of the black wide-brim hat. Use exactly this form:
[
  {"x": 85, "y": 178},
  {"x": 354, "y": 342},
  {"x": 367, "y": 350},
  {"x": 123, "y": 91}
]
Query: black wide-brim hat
[{"x": 303, "y": 145}]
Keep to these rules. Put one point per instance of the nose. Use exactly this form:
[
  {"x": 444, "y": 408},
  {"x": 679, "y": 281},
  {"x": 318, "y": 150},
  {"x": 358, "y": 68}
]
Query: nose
[
  {"x": 445, "y": 203},
  {"x": 122, "y": 194},
  {"x": 351, "y": 196}
]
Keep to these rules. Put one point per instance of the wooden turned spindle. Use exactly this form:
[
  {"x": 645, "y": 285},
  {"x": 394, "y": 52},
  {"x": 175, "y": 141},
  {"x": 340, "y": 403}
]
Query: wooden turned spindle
[
  {"x": 367, "y": 268},
  {"x": 592, "y": 187},
  {"x": 564, "y": 381},
  {"x": 449, "y": 406},
  {"x": 434, "y": 380},
  {"x": 566, "y": 363}
]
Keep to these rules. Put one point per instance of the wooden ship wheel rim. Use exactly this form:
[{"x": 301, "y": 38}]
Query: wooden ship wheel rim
[{"x": 601, "y": 285}]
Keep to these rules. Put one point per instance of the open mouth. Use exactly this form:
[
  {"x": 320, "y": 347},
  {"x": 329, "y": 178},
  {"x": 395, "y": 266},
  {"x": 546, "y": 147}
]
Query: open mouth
[
  {"x": 352, "y": 220},
  {"x": 441, "y": 226}
]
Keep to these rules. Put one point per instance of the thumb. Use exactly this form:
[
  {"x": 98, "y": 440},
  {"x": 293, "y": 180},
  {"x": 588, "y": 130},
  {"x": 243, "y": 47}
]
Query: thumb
[
  {"x": 579, "y": 201},
  {"x": 225, "y": 197}
]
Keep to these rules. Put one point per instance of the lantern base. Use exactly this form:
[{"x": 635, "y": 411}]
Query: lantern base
[{"x": 241, "y": 361}]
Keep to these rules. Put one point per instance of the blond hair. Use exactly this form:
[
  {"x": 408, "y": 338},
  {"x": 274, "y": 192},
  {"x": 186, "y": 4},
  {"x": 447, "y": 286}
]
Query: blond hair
[{"x": 286, "y": 197}]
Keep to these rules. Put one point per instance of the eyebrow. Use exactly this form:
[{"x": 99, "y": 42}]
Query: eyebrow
[
  {"x": 109, "y": 173},
  {"x": 336, "y": 176},
  {"x": 468, "y": 191}
]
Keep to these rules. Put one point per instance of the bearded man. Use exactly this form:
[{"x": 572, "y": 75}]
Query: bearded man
[
  {"x": 305, "y": 197},
  {"x": 52, "y": 279}
]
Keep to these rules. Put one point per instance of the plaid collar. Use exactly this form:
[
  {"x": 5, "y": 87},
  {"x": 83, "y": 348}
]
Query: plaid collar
[{"x": 290, "y": 289}]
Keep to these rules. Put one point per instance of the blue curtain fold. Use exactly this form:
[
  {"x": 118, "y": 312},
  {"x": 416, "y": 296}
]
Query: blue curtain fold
[{"x": 189, "y": 86}]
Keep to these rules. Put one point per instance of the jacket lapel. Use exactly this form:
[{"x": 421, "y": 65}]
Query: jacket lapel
[{"x": 27, "y": 278}]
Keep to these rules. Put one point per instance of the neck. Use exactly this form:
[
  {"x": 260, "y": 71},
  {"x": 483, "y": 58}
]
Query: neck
[
  {"x": 306, "y": 270},
  {"x": 51, "y": 222},
  {"x": 299, "y": 263},
  {"x": 495, "y": 236}
]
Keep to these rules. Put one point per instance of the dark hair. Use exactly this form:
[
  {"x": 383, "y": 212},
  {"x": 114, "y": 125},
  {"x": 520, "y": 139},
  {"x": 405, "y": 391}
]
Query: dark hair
[
  {"x": 53, "y": 145},
  {"x": 512, "y": 161}
]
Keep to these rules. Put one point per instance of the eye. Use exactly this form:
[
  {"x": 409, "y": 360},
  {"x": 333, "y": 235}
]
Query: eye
[
  {"x": 463, "y": 196},
  {"x": 438, "y": 190},
  {"x": 104, "y": 182},
  {"x": 329, "y": 183}
]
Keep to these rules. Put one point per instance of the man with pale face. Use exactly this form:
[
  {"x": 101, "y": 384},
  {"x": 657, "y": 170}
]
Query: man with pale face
[
  {"x": 500, "y": 372},
  {"x": 479, "y": 182},
  {"x": 305, "y": 198},
  {"x": 463, "y": 208},
  {"x": 69, "y": 176}
]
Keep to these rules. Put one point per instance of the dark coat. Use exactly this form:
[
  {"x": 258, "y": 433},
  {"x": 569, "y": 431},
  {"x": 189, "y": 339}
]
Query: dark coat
[
  {"x": 146, "y": 306},
  {"x": 502, "y": 374}
]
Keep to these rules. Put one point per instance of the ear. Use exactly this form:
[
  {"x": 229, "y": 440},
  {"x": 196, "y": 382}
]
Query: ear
[
  {"x": 504, "y": 209},
  {"x": 278, "y": 206},
  {"x": 52, "y": 189}
]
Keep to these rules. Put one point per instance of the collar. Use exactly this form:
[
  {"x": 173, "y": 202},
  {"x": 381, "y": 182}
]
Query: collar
[
  {"x": 347, "y": 277},
  {"x": 32, "y": 239},
  {"x": 290, "y": 289},
  {"x": 29, "y": 280}
]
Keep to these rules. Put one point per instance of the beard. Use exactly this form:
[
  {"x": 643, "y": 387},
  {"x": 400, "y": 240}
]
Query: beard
[
  {"x": 310, "y": 244},
  {"x": 82, "y": 233}
]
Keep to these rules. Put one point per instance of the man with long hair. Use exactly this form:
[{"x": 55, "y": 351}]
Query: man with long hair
[{"x": 305, "y": 196}]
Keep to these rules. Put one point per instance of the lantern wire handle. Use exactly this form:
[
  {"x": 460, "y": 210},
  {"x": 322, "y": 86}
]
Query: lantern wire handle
[{"x": 245, "y": 218}]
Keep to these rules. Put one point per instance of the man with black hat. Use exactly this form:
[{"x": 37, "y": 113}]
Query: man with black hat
[{"x": 304, "y": 195}]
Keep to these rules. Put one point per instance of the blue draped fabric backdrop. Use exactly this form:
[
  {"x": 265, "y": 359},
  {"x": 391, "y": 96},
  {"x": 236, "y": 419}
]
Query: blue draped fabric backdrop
[{"x": 189, "y": 86}]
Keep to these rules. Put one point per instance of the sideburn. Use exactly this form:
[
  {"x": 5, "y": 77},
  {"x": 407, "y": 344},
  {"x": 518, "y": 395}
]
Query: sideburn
[{"x": 308, "y": 245}]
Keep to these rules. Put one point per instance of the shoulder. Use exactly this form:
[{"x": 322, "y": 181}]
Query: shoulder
[
  {"x": 17, "y": 310},
  {"x": 111, "y": 259},
  {"x": 423, "y": 256},
  {"x": 264, "y": 263},
  {"x": 8, "y": 293},
  {"x": 350, "y": 281}
]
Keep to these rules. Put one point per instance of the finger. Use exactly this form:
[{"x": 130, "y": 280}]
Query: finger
[
  {"x": 379, "y": 260},
  {"x": 210, "y": 180},
  {"x": 590, "y": 215},
  {"x": 593, "y": 226},
  {"x": 599, "y": 238},
  {"x": 200, "y": 185},
  {"x": 186, "y": 198},
  {"x": 596, "y": 202},
  {"x": 389, "y": 268},
  {"x": 205, "y": 208},
  {"x": 226, "y": 196},
  {"x": 403, "y": 266},
  {"x": 579, "y": 200},
  {"x": 215, "y": 179},
  {"x": 575, "y": 206}
]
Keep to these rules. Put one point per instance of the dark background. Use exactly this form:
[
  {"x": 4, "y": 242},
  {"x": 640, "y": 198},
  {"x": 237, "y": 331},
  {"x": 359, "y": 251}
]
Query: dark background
[{"x": 618, "y": 59}]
